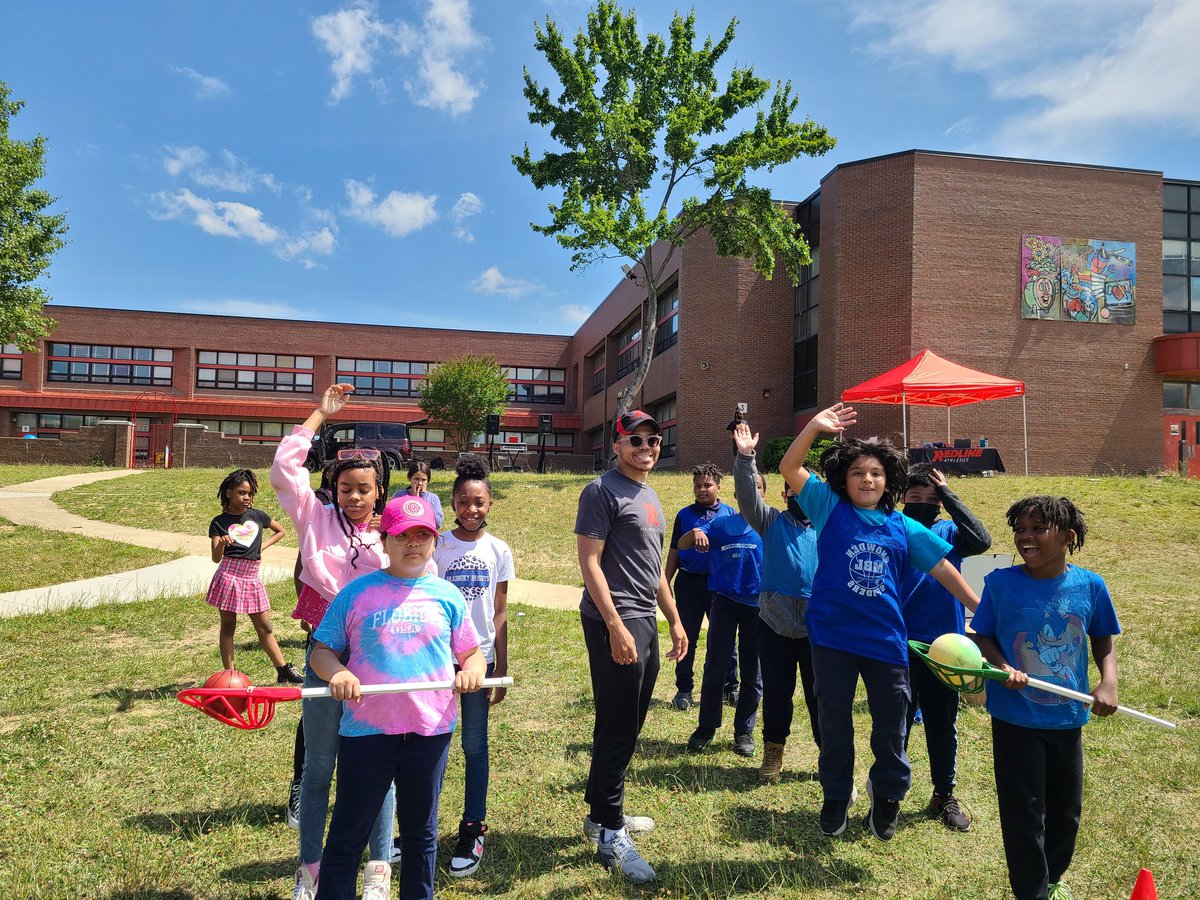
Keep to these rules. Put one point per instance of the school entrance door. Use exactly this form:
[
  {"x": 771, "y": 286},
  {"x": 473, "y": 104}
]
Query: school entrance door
[
  {"x": 1181, "y": 437},
  {"x": 154, "y": 416}
]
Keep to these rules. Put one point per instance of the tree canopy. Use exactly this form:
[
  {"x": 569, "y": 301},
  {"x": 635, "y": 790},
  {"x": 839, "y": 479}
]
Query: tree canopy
[
  {"x": 29, "y": 235},
  {"x": 640, "y": 122},
  {"x": 460, "y": 393}
]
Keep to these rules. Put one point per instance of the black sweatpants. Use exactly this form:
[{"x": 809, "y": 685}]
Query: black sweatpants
[
  {"x": 781, "y": 658},
  {"x": 1039, "y": 785},
  {"x": 621, "y": 695}
]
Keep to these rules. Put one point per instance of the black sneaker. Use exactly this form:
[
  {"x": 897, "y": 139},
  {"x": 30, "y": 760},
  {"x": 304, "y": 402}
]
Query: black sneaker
[
  {"x": 468, "y": 852},
  {"x": 881, "y": 817},
  {"x": 947, "y": 808},
  {"x": 293, "y": 807},
  {"x": 288, "y": 674},
  {"x": 700, "y": 739},
  {"x": 743, "y": 744},
  {"x": 834, "y": 816},
  {"x": 682, "y": 700}
]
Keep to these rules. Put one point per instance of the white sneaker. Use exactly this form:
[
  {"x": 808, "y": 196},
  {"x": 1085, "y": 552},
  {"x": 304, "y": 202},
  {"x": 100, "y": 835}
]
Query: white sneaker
[
  {"x": 377, "y": 881},
  {"x": 306, "y": 885},
  {"x": 620, "y": 854},
  {"x": 633, "y": 824}
]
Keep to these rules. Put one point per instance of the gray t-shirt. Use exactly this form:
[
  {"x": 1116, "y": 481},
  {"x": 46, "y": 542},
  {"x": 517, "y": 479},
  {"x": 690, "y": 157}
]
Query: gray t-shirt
[{"x": 627, "y": 516}]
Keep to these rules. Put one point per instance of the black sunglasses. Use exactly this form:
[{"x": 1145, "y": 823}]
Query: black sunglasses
[{"x": 652, "y": 441}]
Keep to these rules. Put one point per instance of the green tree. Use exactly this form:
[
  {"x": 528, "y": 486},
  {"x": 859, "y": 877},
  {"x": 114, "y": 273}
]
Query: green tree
[
  {"x": 29, "y": 236},
  {"x": 460, "y": 393},
  {"x": 640, "y": 122}
]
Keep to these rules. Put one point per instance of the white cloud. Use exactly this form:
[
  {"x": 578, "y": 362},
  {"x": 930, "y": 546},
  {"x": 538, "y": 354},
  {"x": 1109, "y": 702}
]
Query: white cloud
[
  {"x": 208, "y": 87},
  {"x": 355, "y": 37},
  {"x": 574, "y": 314},
  {"x": 397, "y": 214},
  {"x": 467, "y": 206},
  {"x": 1088, "y": 72},
  {"x": 256, "y": 309},
  {"x": 235, "y": 174},
  {"x": 492, "y": 281},
  {"x": 225, "y": 218}
]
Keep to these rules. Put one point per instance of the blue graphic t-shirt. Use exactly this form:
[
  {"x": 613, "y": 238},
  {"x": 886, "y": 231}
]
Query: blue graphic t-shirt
[
  {"x": 1041, "y": 626},
  {"x": 929, "y": 609},
  {"x": 695, "y": 516},
  {"x": 736, "y": 558},
  {"x": 861, "y": 558},
  {"x": 399, "y": 630}
]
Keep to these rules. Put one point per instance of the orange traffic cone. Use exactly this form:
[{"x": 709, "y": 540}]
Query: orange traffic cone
[{"x": 1143, "y": 888}]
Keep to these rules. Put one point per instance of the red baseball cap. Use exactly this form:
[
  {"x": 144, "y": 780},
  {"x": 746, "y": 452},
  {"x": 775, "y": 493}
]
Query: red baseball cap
[{"x": 627, "y": 424}]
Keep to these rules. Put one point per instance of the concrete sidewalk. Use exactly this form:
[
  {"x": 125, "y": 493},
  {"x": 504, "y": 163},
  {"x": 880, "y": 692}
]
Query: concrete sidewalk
[{"x": 31, "y": 504}]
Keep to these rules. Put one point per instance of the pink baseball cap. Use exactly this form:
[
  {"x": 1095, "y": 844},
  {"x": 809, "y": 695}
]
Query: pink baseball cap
[{"x": 405, "y": 512}]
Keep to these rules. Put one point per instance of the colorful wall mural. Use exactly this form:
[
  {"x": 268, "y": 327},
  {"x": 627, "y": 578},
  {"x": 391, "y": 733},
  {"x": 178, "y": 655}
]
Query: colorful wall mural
[{"x": 1078, "y": 280}]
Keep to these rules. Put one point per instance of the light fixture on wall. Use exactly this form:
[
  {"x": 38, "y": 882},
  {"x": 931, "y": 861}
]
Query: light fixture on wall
[{"x": 766, "y": 393}]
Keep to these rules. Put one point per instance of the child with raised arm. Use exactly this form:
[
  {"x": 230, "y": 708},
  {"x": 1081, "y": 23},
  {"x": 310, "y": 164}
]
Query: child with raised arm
[
  {"x": 789, "y": 563},
  {"x": 854, "y": 620},
  {"x": 929, "y": 612},
  {"x": 1036, "y": 619},
  {"x": 398, "y": 625}
]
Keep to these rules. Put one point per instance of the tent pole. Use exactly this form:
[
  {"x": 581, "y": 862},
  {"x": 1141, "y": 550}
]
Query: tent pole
[
  {"x": 904, "y": 417},
  {"x": 1025, "y": 427},
  {"x": 948, "y": 441}
]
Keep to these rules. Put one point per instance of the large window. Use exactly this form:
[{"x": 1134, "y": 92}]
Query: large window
[
  {"x": 1181, "y": 395},
  {"x": 251, "y": 432},
  {"x": 667, "y": 322},
  {"x": 383, "y": 377},
  {"x": 596, "y": 442},
  {"x": 50, "y": 425},
  {"x": 109, "y": 364},
  {"x": 228, "y": 370},
  {"x": 530, "y": 385},
  {"x": 558, "y": 442},
  {"x": 428, "y": 438},
  {"x": 10, "y": 362},
  {"x": 666, "y": 414},
  {"x": 595, "y": 368},
  {"x": 1181, "y": 258},
  {"x": 630, "y": 344},
  {"x": 804, "y": 359}
]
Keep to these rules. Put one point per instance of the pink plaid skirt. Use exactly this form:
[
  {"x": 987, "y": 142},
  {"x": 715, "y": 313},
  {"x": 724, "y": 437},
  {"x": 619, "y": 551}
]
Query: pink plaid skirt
[{"x": 237, "y": 588}]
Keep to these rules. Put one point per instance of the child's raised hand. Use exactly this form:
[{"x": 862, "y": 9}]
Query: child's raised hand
[
  {"x": 334, "y": 398},
  {"x": 938, "y": 479},
  {"x": 741, "y": 437},
  {"x": 836, "y": 418},
  {"x": 344, "y": 685}
]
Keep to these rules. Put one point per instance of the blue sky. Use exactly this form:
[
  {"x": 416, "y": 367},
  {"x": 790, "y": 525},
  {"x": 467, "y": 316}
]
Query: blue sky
[{"x": 350, "y": 162}]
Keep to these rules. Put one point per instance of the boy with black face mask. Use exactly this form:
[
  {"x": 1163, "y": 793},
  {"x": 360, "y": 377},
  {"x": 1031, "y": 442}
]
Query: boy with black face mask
[{"x": 929, "y": 612}]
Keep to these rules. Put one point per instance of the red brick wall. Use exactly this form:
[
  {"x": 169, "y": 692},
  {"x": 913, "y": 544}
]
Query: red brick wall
[{"x": 98, "y": 444}]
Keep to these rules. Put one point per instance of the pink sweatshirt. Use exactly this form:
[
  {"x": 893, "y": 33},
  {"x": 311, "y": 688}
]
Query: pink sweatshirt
[{"x": 324, "y": 546}]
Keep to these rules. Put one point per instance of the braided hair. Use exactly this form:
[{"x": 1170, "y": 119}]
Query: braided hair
[
  {"x": 232, "y": 480},
  {"x": 382, "y": 479},
  {"x": 839, "y": 456},
  {"x": 1057, "y": 511}
]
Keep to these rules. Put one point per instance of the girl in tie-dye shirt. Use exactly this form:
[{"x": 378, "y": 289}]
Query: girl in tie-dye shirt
[{"x": 399, "y": 624}]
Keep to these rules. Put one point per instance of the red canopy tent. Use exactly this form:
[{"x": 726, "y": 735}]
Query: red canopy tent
[{"x": 929, "y": 380}]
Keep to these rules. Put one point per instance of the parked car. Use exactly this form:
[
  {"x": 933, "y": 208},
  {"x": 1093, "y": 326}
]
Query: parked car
[{"x": 389, "y": 437}]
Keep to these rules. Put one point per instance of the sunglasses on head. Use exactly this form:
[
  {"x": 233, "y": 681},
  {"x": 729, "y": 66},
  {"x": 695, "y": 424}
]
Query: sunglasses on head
[
  {"x": 370, "y": 454},
  {"x": 652, "y": 440}
]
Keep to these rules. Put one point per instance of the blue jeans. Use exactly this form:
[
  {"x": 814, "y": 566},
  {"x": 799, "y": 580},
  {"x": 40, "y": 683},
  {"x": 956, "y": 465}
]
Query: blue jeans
[
  {"x": 888, "y": 695},
  {"x": 321, "y": 719},
  {"x": 474, "y": 737},
  {"x": 730, "y": 621},
  {"x": 369, "y": 767}
]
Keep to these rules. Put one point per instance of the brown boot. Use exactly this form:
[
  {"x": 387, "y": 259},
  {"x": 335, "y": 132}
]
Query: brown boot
[{"x": 772, "y": 763}]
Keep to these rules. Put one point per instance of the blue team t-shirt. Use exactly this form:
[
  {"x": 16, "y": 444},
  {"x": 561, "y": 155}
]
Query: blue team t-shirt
[
  {"x": 861, "y": 558},
  {"x": 1041, "y": 626},
  {"x": 694, "y": 516},
  {"x": 735, "y": 553},
  {"x": 929, "y": 609}
]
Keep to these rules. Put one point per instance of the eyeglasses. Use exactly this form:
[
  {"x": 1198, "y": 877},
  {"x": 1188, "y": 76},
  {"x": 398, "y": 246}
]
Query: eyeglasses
[
  {"x": 370, "y": 454},
  {"x": 652, "y": 441}
]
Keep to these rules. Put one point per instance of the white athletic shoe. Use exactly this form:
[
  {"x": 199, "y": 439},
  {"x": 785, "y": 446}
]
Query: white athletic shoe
[
  {"x": 306, "y": 885},
  {"x": 377, "y": 881},
  {"x": 633, "y": 824},
  {"x": 620, "y": 854}
]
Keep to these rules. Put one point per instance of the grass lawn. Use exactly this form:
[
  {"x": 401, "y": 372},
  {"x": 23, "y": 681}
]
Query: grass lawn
[
  {"x": 17, "y": 474},
  {"x": 111, "y": 789},
  {"x": 36, "y": 557}
]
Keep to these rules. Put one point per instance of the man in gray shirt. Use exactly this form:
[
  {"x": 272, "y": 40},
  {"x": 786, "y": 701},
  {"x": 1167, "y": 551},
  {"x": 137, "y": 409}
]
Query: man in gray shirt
[{"x": 619, "y": 533}]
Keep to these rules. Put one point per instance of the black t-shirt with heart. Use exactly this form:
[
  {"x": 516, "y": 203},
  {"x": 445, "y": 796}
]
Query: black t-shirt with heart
[{"x": 246, "y": 531}]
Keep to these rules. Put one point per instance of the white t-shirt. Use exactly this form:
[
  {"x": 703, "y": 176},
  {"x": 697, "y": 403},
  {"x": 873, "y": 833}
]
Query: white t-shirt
[{"x": 475, "y": 568}]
